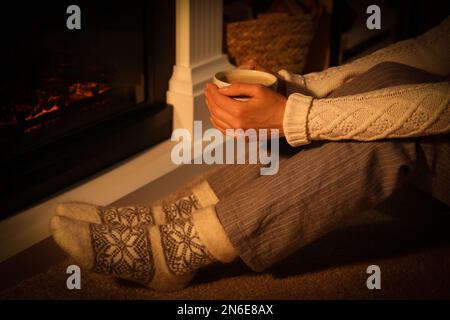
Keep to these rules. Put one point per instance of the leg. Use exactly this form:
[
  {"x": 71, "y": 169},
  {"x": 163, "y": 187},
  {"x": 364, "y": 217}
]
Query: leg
[
  {"x": 319, "y": 188},
  {"x": 162, "y": 257},
  {"x": 302, "y": 193},
  {"x": 229, "y": 178},
  {"x": 314, "y": 191},
  {"x": 181, "y": 205}
]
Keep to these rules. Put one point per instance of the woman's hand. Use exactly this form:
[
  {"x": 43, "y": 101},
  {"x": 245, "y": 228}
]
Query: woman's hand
[{"x": 263, "y": 110}]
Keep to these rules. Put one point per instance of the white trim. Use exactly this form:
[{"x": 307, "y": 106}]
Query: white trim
[
  {"x": 26, "y": 228},
  {"x": 199, "y": 56},
  {"x": 30, "y": 226}
]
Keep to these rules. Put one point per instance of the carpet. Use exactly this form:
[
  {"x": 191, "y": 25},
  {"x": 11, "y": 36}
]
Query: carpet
[
  {"x": 414, "y": 259},
  {"x": 407, "y": 237}
]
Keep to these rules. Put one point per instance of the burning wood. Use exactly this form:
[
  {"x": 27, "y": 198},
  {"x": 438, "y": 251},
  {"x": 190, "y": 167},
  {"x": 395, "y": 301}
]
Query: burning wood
[
  {"x": 81, "y": 90},
  {"x": 51, "y": 101}
]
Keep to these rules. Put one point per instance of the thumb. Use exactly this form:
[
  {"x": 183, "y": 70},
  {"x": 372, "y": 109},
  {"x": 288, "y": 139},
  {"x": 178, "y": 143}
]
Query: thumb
[{"x": 241, "y": 89}]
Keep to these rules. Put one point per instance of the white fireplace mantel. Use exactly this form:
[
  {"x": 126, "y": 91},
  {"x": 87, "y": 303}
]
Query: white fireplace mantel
[{"x": 198, "y": 57}]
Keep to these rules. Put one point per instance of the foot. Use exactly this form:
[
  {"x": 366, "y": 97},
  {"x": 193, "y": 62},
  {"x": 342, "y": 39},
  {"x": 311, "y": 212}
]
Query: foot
[
  {"x": 200, "y": 196},
  {"x": 163, "y": 257}
]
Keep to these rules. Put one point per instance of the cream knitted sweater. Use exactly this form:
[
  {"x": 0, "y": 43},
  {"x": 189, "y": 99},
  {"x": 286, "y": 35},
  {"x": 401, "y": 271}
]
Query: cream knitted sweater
[{"x": 395, "y": 112}]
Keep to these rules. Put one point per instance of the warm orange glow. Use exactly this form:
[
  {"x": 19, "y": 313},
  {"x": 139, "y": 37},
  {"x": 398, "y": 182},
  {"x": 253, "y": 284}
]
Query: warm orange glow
[
  {"x": 87, "y": 89},
  {"x": 77, "y": 91},
  {"x": 42, "y": 112}
]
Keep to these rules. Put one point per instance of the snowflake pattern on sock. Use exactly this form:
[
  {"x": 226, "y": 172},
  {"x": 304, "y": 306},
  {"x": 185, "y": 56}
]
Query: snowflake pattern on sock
[
  {"x": 123, "y": 252},
  {"x": 126, "y": 216},
  {"x": 181, "y": 209},
  {"x": 183, "y": 249}
]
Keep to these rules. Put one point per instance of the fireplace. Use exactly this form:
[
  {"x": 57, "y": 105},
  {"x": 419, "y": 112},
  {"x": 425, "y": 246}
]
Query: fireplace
[{"x": 73, "y": 102}]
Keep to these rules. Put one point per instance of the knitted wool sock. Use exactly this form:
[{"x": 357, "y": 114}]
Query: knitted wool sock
[
  {"x": 163, "y": 257},
  {"x": 199, "y": 196}
]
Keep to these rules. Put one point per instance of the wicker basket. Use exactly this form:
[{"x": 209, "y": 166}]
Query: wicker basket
[{"x": 276, "y": 40}]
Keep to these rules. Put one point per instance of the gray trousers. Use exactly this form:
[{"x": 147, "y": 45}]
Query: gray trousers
[{"x": 320, "y": 186}]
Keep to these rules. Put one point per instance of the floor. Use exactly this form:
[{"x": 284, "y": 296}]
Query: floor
[
  {"x": 45, "y": 254},
  {"x": 412, "y": 250}
]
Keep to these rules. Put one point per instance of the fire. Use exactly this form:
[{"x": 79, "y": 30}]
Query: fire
[
  {"x": 41, "y": 112},
  {"x": 81, "y": 90},
  {"x": 49, "y": 103}
]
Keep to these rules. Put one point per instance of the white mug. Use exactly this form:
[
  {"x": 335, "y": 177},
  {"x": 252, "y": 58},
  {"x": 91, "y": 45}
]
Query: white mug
[{"x": 225, "y": 78}]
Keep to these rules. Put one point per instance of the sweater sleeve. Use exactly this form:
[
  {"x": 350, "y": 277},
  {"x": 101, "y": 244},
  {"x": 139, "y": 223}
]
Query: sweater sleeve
[
  {"x": 429, "y": 52},
  {"x": 395, "y": 112}
]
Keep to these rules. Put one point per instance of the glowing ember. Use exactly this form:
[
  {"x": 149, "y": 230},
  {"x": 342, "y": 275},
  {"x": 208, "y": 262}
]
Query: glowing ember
[
  {"x": 42, "y": 112},
  {"x": 50, "y": 101},
  {"x": 81, "y": 90}
]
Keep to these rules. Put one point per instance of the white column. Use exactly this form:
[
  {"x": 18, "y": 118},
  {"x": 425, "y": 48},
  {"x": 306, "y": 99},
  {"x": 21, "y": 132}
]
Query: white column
[{"x": 198, "y": 57}]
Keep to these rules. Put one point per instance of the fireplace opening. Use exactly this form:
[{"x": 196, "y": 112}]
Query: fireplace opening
[{"x": 73, "y": 102}]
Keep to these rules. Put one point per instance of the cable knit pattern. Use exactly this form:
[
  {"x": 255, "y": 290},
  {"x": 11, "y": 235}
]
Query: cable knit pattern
[
  {"x": 396, "y": 112},
  {"x": 428, "y": 52}
]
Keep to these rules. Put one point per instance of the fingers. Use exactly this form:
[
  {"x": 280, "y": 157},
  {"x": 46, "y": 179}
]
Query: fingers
[
  {"x": 218, "y": 113},
  {"x": 222, "y": 101},
  {"x": 242, "y": 89},
  {"x": 227, "y": 113},
  {"x": 218, "y": 124}
]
